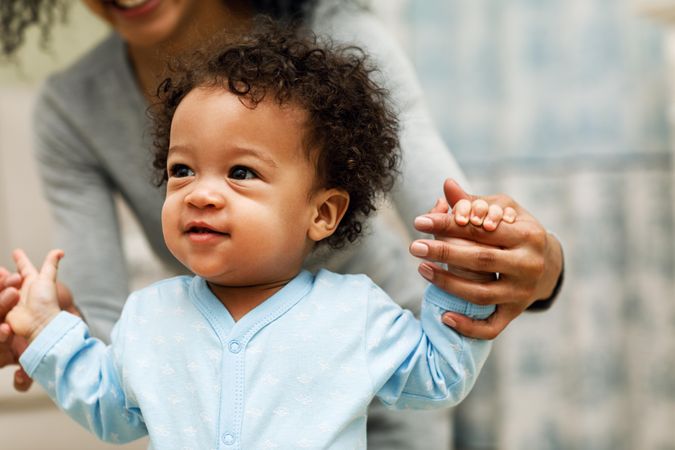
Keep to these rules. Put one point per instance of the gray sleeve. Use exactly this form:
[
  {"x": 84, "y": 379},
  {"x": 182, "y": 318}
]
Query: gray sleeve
[
  {"x": 427, "y": 161},
  {"x": 82, "y": 204}
]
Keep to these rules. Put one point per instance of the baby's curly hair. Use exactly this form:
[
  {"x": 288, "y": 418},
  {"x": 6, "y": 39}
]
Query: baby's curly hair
[{"x": 351, "y": 125}]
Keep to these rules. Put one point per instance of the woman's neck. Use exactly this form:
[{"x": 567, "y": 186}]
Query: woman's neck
[{"x": 149, "y": 62}]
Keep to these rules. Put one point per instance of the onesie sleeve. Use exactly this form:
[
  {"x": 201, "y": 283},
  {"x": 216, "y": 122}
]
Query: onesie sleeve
[
  {"x": 422, "y": 364},
  {"x": 82, "y": 377}
]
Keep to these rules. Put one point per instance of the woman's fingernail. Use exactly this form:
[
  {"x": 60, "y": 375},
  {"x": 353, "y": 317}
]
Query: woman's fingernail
[
  {"x": 461, "y": 219},
  {"x": 419, "y": 249},
  {"x": 449, "y": 321},
  {"x": 423, "y": 223},
  {"x": 426, "y": 272}
]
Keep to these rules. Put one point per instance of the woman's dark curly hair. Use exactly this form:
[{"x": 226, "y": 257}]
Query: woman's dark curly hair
[
  {"x": 17, "y": 16},
  {"x": 351, "y": 130}
]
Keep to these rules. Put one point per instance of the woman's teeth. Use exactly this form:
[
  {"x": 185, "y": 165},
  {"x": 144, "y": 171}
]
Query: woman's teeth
[{"x": 128, "y": 4}]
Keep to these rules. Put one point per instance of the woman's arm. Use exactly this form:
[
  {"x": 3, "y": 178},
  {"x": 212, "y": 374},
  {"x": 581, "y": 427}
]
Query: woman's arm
[
  {"x": 81, "y": 198},
  {"x": 531, "y": 267},
  {"x": 529, "y": 261}
]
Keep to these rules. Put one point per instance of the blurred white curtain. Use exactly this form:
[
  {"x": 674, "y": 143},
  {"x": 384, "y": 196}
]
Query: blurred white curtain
[{"x": 563, "y": 105}]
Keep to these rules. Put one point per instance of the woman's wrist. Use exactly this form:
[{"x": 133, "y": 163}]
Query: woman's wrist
[{"x": 553, "y": 278}]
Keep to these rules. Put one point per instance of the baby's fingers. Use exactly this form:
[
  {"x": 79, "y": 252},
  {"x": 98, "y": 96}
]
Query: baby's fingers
[
  {"x": 462, "y": 210},
  {"x": 479, "y": 209},
  {"x": 509, "y": 215},
  {"x": 51, "y": 264},
  {"x": 23, "y": 264},
  {"x": 494, "y": 216}
]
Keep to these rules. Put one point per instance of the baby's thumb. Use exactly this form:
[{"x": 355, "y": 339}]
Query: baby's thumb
[{"x": 51, "y": 264}]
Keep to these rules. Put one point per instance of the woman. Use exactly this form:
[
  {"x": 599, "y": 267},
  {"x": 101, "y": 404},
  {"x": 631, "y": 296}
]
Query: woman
[{"x": 91, "y": 145}]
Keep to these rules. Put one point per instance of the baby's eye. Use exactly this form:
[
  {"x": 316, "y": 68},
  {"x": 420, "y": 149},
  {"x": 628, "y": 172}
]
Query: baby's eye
[
  {"x": 180, "y": 171},
  {"x": 242, "y": 173}
]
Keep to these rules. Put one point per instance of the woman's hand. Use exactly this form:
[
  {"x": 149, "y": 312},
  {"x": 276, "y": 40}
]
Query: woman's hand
[
  {"x": 527, "y": 258},
  {"x": 11, "y": 347}
]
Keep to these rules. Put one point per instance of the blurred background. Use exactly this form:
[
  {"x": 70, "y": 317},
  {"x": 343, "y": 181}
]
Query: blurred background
[{"x": 567, "y": 106}]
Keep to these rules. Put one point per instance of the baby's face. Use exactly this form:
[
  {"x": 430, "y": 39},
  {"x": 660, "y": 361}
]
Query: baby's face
[{"x": 239, "y": 193}]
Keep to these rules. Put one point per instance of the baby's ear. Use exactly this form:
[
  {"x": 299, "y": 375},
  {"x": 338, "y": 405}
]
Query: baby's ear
[{"x": 330, "y": 206}]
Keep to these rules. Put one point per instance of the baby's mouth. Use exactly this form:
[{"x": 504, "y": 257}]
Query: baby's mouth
[{"x": 204, "y": 230}]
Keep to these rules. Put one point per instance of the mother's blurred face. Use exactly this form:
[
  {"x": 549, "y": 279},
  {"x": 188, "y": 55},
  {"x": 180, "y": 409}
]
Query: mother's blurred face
[{"x": 145, "y": 23}]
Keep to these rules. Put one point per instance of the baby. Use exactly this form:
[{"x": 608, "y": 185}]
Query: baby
[{"x": 270, "y": 145}]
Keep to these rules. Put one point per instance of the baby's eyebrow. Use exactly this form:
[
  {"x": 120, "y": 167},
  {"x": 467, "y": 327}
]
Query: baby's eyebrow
[
  {"x": 257, "y": 154},
  {"x": 176, "y": 149}
]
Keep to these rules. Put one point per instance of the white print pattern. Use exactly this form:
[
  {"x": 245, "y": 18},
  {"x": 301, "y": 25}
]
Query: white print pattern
[
  {"x": 304, "y": 337},
  {"x": 281, "y": 348},
  {"x": 305, "y": 443},
  {"x": 189, "y": 431},
  {"x": 199, "y": 326},
  {"x": 270, "y": 380},
  {"x": 167, "y": 369},
  {"x": 281, "y": 412},
  {"x": 254, "y": 412},
  {"x": 206, "y": 418},
  {"x": 302, "y": 316},
  {"x": 143, "y": 363},
  {"x": 304, "y": 400},
  {"x": 304, "y": 379},
  {"x": 174, "y": 399}
]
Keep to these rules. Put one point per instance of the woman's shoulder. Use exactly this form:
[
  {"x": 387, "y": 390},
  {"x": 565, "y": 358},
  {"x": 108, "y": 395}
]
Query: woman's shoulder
[
  {"x": 105, "y": 58},
  {"x": 349, "y": 22}
]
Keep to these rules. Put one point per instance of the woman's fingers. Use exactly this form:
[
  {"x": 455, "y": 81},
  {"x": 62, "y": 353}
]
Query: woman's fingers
[
  {"x": 481, "y": 329},
  {"x": 476, "y": 291},
  {"x": 22, "y": 382},
  {"x": 5, "y": 332},
  {"x": 8, "y": 298},
  {"x": 507, "y": 235},
  {"x": 8, "y": 279},
  {"x": 441, "y": 207},
  {"x": 455, "y": 252}
]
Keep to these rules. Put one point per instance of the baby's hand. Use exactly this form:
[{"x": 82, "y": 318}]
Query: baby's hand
[
  {"x": 38, "y": 303},
  {"x": 479, "y": 213}
]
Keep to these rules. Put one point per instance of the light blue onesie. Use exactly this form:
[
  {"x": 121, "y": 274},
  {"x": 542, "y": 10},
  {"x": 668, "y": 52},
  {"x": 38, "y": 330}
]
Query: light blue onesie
[{"x": 298, "y": 371}]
